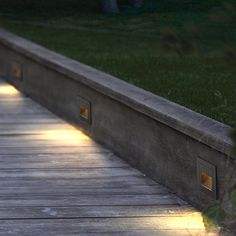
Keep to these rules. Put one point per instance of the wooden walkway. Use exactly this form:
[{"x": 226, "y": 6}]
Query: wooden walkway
[{"x": 54, "y": 180}]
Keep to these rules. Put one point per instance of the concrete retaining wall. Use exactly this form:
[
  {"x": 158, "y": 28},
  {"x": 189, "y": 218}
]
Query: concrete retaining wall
[{"x": 162, "y": 139}]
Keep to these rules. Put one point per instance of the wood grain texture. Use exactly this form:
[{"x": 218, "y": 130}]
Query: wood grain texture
[{"x": 54, "y": 180}]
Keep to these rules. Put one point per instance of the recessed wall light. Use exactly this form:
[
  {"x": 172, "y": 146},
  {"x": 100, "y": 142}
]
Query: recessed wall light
[
  {"x": 15, "y": 71},
  {"x": 84, "y": 110},
  {"x": 206, "y": 181},
  {"x": 206, "y": 174}
]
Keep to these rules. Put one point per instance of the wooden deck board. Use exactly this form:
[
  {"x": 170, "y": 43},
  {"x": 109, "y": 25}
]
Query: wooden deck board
[{"x": 54, "y": 180}]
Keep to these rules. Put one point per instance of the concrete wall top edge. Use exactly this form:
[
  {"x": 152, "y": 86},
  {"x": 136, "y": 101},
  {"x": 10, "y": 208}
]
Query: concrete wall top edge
[{"x": 193, "y": 124}]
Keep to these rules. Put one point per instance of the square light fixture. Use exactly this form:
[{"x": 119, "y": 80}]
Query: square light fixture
[
  {"x": 206, "y": 174},
  {"x": 15, "y": 71},
  {"x": 84, "y": 110}
]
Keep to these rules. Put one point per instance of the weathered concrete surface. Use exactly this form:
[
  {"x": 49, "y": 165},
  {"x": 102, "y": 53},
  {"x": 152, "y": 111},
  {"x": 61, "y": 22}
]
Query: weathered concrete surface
[{"x": 157, "y": 136}]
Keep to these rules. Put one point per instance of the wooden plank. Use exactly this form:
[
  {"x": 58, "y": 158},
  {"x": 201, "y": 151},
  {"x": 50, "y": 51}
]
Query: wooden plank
[
  {"x": 20, "y": 98},
  {"x": 58, "y": 163},
  {"x": 22, "y": 121},
  {"x": 80, "y": 173},
  {"x": 39, "y": 212},
  {"x": 105, "y": 160},
  {"x": 4, "y": 116},
  {"x": 12, "y": 100},
  {"x": 22, "y": 111},
  {"x": 47, "y": 135},
  {"x": 83, "y": 190},
  {"x": 103, "y": 225},
  {"x": 54, "y": 150},
  {"x": 47, "y": 139},
  {"x": 117, "y": 181},
  {"x": 69, "y": 157},
  {"x": 55, "y": 165},
  {"x": 21, "y": 105},
  {"x": 84, "y": 200},
  {"x": 35, "y": 128},
  {"x": 9, "y": 143},
  {"x": 103, "y": 157},
  {"x": 89, "y": 232},
  {"x": 68, "y": 173}
]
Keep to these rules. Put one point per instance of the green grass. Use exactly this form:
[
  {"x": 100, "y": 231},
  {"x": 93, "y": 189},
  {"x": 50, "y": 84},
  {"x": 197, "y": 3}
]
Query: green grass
[{"x": 130, "y": 47}]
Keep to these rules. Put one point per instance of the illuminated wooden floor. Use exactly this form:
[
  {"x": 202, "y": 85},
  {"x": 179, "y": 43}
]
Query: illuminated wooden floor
[{"x": 54, "y": 180}]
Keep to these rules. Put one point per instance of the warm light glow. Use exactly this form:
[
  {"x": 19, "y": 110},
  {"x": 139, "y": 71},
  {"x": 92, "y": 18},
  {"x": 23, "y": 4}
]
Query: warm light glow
[
  {"x": 8, "y": 90},
  {"x": 84, "y": 112},
  {"x": 185, "y": 221},
  {"x": 206, "y": 181},
  {"x": 15, "y": 72},
  {"x": 193, "y": 221},
  {"x": 67, "y": 136}
]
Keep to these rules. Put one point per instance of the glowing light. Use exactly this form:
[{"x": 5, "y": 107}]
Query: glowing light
[
  {"x": 66, "y": 136},
  {"x": 183, "y": 221},
  {"x": 84, "y": 112},
  {"x": 16, "y": 72},
  {"x": 190, "y": 221},
  {"x": 8, "y": 90},
  {"x": 206, "y": 181}
]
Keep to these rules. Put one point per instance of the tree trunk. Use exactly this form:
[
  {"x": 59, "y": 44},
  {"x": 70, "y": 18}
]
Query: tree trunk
[
  {"x": 136, "y": 3},
  {"x": 110, "y": 6}
]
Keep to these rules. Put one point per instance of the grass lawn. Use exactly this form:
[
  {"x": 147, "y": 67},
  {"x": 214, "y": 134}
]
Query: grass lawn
[{"x": 130, "y": 47}]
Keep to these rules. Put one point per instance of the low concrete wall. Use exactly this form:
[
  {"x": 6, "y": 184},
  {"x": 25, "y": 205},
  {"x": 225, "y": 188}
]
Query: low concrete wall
[{"x": 162, "y": 139}]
